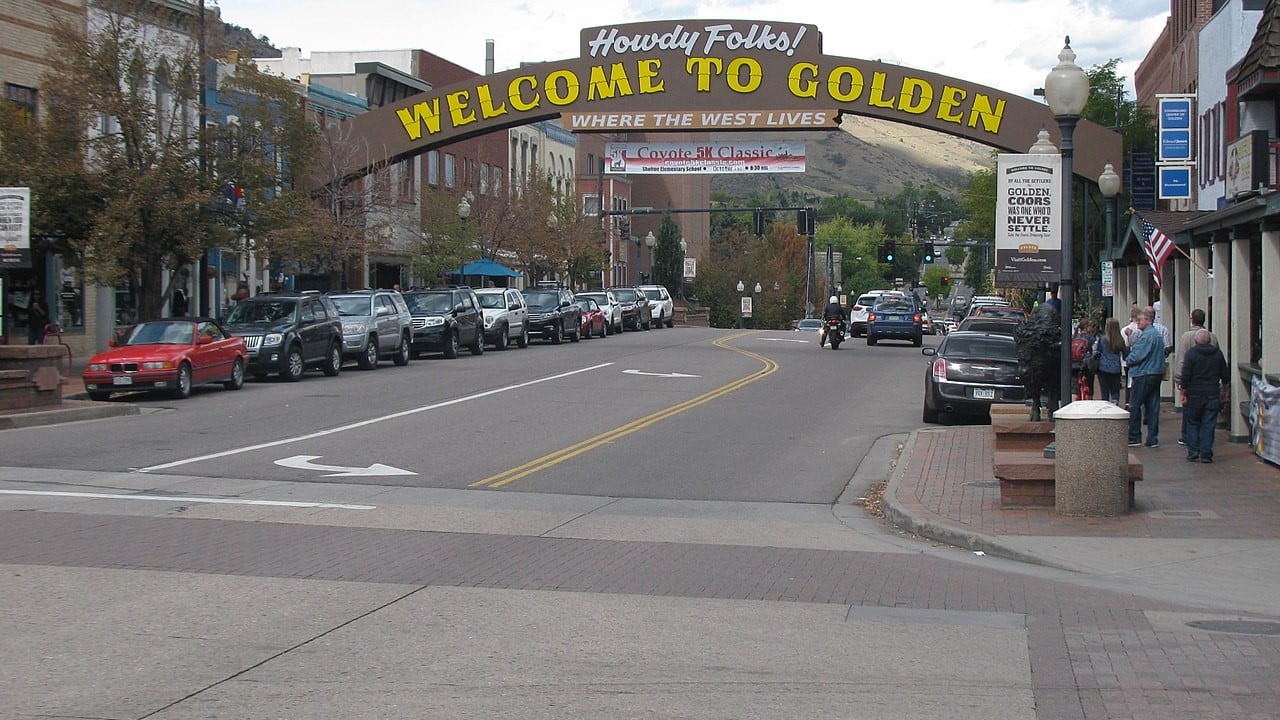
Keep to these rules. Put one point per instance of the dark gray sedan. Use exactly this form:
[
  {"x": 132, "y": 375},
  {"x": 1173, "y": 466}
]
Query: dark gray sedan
[{"x": 969, "y": 372}]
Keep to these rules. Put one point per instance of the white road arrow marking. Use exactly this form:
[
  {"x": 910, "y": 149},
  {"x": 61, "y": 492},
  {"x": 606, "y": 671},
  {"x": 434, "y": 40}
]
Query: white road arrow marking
[
  {"x": 653, "y": 374},
  {"x": 303, "y": 462}
]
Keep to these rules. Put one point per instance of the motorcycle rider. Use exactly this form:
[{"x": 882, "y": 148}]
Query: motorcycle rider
[{"x": 832, "y": 310}]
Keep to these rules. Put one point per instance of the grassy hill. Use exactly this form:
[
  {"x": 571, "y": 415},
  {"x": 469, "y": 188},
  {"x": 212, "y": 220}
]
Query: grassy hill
[{"x": 865, "y": 159}]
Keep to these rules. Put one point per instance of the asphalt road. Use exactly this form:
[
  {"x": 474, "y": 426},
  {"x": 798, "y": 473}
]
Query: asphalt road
[{"x": 683, "y": 413}]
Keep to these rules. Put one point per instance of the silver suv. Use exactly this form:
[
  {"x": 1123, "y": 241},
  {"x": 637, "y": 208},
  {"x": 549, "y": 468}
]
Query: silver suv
[
  {"x": 506, "y": 317},
  {"x": 662, "y": 305},
  {"x": 375, "y": 324}
]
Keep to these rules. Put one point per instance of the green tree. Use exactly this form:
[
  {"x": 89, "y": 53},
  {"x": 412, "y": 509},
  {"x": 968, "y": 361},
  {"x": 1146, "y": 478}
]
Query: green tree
[
  {"x": 668, "y": 259},
  {"x": 1110, "y": 106}
]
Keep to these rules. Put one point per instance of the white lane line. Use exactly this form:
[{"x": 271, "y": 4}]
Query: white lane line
[
  {"x": 190, "y": 499},
  {"x": 370, "y": 421}
]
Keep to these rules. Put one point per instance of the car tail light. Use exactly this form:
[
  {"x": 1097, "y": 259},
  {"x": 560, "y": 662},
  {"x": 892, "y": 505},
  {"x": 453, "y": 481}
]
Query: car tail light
[
  {"x": 940, "y": 369},
  {"x": 858, "y": 308},
  {"x": 917, "y": 318}
]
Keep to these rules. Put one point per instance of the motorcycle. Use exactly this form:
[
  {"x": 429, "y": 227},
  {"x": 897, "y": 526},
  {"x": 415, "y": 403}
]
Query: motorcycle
[{"x": 835, "y": 333}]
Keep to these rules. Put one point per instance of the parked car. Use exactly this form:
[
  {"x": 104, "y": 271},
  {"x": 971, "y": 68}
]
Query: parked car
[
  {"x": 636, "y": 313},
  {"x": 968, "y": 372},
  {"x": 445, "y": 319},
  {"x": 553, "y": 314},
  {"x": 997, "y": 311},
  {"x": 375, "y": 324},
  {"x": 610, "y": 306},
  {"x": 173, "y": 355},
  {"x": 662, "y": 307},
  {"x": 1001, "y": 325},
  {"x": 506, "y": 317},
  {"x": 286, "y": 333},
  {"x": 894, "y": 317},
  {"x": 592, "y": 318}
]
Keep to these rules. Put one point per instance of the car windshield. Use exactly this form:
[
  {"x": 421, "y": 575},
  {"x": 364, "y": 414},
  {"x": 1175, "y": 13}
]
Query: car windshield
[
  {"x": 262, "y": 311},
  {"x": 423, "y": 303},
  {"x": 598, "y": 297},
  {"x": 653, "y": 294},
  {"x": 625, "y": 295},
  {"x": 587, "y": 305},
  {"x": 809, "y": 324},
  {"x": 493, "y": 301},
  {"x": 543, "y": 299},
  {"x": 353, "y": 305},
  {"x": 981, "y": 347},
  {"x": 160, "y": 333},
  {"x": 895, "y": 305}
]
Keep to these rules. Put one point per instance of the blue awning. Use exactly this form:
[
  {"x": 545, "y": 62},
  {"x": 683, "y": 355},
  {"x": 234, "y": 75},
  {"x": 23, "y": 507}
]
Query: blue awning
[{"x": 485, "y": 268}]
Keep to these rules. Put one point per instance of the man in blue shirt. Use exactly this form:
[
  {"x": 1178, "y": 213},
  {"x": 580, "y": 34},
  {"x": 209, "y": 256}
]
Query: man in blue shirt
[{"x": 1146, "y": 371}]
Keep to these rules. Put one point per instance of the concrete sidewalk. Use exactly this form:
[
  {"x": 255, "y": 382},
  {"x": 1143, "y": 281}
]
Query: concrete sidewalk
[{"x": 1206, "y": 534}]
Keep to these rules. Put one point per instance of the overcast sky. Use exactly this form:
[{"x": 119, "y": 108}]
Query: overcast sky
[{"x": 1006, "y": 44}]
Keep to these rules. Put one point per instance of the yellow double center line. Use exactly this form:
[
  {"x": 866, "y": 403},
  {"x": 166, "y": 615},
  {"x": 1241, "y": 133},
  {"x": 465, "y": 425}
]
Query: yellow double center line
[{"x": 551, "y": 459}]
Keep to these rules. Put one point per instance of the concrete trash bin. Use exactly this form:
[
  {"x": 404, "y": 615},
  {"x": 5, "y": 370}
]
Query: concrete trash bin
[{"x": 1091, "y": 467}]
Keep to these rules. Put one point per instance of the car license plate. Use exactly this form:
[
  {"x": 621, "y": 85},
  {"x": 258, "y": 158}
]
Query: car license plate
[
  {"x": 984, "y": 393},
  {"x": 122, "y": 380}
]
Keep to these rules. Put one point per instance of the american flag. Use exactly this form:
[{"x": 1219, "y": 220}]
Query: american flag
[{"x": 1158, "y": 248}]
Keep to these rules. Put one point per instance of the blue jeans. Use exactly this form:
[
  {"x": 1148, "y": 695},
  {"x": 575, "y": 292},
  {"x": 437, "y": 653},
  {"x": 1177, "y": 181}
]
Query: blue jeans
[
  {"x": 1109, "y": 386},
  {"x": 1144, "y": 398},
  {"x": 1200, "y": 415}
]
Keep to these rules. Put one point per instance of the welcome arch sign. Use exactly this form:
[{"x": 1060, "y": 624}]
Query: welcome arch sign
[{"x": 694, "y": 75}]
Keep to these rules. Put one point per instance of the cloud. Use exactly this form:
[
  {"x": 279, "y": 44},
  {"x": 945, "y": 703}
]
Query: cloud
[{"x": 1006, "y": 44}]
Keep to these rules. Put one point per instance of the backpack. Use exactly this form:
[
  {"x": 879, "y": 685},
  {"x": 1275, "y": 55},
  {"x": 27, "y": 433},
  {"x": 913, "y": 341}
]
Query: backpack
[{"x": 1079, "y": 348}]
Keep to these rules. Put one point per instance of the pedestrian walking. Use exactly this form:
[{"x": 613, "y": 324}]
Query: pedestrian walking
[
  {"x": 1205, "y": 383},
  {"x": 1185, "y": 343},
  {"x": 37, "y": 319},
  {"x": 1110, "y": 349},
  {"x": 1146, "y": 372}
]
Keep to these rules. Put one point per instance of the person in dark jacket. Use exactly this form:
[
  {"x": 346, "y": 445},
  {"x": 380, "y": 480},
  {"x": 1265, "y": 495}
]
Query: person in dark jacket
[
  {"x": 833, "y": 310},
  {"x": 1205, "y": 383}
]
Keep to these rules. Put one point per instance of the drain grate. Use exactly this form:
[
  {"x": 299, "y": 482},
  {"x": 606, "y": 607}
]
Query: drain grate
[
  {"x": 1185, "y": 514},
  {"x": 1247, "y": 627}
]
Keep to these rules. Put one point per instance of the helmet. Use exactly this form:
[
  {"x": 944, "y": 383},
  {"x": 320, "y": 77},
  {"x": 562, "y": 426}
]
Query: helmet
[{"x": 834, "y": 299}]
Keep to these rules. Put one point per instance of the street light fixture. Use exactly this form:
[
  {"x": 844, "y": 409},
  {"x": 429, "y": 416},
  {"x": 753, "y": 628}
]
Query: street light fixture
[
  {"x": 649, "y": 242},
  {"x": 1109, "y": 184},
  {"x": 741, "y": 287},
  {"x": 1066, "y": 88}
]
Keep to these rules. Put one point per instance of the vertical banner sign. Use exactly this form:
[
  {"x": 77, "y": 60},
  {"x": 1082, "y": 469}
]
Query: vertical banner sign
[
  {"x": 1028, "y": 220},
  {"x": 1264, "y": 420},
  {"x": 746, "y": 306},
  {"x": 1175, "y": 128},
  {"x": 15, "y": 227}
]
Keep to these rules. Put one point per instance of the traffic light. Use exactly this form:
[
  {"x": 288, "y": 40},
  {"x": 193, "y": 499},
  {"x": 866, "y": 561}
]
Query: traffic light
[
  {"x": 888, "y": 251},
  {"x": 757, "y": 222},
  {"x": 928, "y": 252},
  {"x": 804, "y": 221},
  {"x": 946, "y": 282}
]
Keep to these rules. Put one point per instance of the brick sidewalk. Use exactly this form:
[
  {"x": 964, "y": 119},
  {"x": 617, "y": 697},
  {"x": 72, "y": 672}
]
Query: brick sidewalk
[{"x": 945, "y": 476}]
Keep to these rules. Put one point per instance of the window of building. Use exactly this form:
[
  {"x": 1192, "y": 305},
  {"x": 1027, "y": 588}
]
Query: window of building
[
  {"x": 450, "y": 170},
  {"x": 406, "y": 185},
  {"x": 484, "y": 178},
  {"x": 23, "y": 97},
  {"x": 433, "y": 167}
]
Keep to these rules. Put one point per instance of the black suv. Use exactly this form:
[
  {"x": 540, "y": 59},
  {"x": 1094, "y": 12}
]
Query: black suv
[
  {"x": 286, "y": 333},
  {"x": 444, "y": 319},
  {"x": 554, "y": 314}
]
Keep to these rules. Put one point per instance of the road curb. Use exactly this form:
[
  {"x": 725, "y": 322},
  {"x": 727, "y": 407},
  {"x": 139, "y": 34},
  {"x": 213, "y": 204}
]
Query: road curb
[
  {"x": 70, "y": 411},
  {"x": 910, "y": 520}
]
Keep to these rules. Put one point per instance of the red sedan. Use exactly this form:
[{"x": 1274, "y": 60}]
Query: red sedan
[
  {"x": 593, "y": 320},
  {"x": 173, "y": 355}
]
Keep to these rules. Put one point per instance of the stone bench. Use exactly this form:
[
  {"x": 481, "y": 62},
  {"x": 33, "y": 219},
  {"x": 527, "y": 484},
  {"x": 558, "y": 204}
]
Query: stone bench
[
  {"x": 1027, "y": 477},
  {"x": 1016, "y": 432},
  {"x": 30, "y": 377}
]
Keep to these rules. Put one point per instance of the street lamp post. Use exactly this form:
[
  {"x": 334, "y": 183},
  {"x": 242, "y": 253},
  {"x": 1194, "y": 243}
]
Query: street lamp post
[
  {"x": 1066, "y": 88},
  {"x": 755, "y": 305},
  {"x": 684, "y": 249},
  {"x": 741, "y": 287},
  {"x": 649, "y": 242},
  {"x": 1109, "y": 184}
]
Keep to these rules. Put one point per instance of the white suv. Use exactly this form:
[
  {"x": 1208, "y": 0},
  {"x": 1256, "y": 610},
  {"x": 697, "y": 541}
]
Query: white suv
[
  {"x": 506, "y": 317},
  {"x": 661, "y": 304}
]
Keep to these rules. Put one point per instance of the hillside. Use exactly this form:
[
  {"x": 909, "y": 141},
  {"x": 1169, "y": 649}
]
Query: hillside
[{"x": 865, "y": 159}]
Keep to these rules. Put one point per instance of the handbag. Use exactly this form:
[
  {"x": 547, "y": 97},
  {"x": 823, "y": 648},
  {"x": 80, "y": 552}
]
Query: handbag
[{"x": 1091, "y": 363}]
